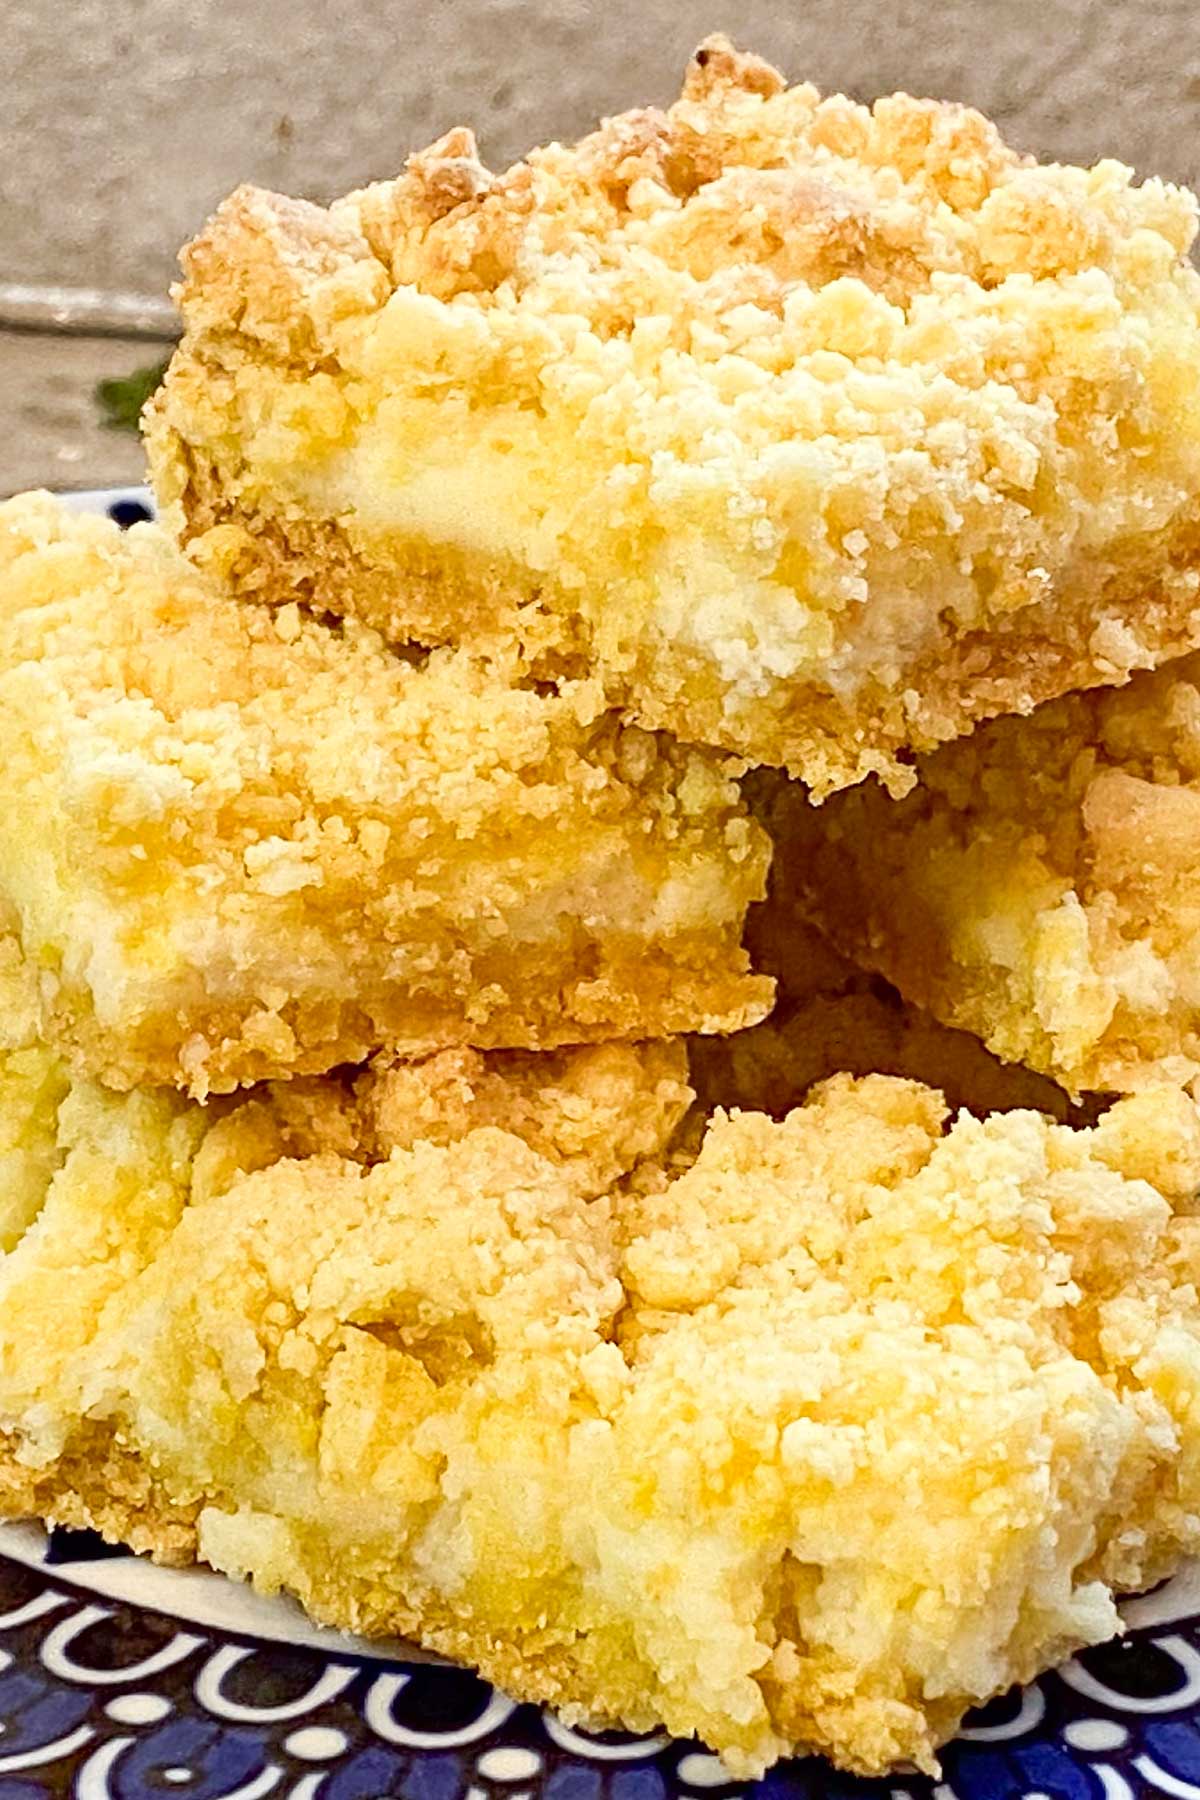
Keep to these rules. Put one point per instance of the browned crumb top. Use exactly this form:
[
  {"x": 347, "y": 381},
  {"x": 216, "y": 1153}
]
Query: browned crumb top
[
  {"x": 818, "y": 429},
  {"x": 737, "y": 192}
]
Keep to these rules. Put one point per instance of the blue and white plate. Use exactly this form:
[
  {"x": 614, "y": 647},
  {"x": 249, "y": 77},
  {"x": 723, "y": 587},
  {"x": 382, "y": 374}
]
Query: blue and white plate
[{"x": 125, "y": 1681}]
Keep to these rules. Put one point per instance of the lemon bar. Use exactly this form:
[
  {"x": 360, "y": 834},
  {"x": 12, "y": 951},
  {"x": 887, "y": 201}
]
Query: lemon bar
[
  {"x": 92, "y": 1183},
  {"x": 816, "y": 431},
  {"x": 847, "y": 1426},
  {"x": 239, "y": 844}
]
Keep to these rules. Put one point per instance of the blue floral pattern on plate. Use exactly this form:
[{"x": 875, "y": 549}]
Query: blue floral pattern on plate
[{"x": 104, "y": 1697}]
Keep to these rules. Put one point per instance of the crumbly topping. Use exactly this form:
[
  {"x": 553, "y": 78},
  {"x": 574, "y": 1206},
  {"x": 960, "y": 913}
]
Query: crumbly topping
[
  {"x": 826, "y": 428},
  {"x": 729, "y": 198},
  {"x": 1041, "y": 885},
  {"x": 244, "y": 843},
  {"x": 596, "y": 1110},
  {"x": 849, "y": 1425}
]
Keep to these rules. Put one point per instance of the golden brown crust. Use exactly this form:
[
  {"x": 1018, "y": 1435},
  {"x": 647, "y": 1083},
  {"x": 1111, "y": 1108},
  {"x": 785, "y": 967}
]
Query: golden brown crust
[
  {"x": 402, "y": 589},
  {"x": 406, "y": 589},
  {"x": 100, "y": 1484},
  {"x": 817, "y": 431}
]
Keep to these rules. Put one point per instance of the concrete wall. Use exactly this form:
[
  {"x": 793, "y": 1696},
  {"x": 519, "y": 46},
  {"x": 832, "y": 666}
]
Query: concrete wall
[{"x": 124, "y": 121}]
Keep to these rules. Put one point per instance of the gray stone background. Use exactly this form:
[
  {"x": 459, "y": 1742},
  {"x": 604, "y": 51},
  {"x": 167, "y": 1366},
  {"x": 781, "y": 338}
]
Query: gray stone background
[{"x": 125, "y": 121}]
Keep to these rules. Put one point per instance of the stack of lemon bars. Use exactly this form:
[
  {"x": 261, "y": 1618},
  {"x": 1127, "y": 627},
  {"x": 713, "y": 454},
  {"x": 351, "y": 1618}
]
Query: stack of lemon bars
[{"x": 601, "y": 928}]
